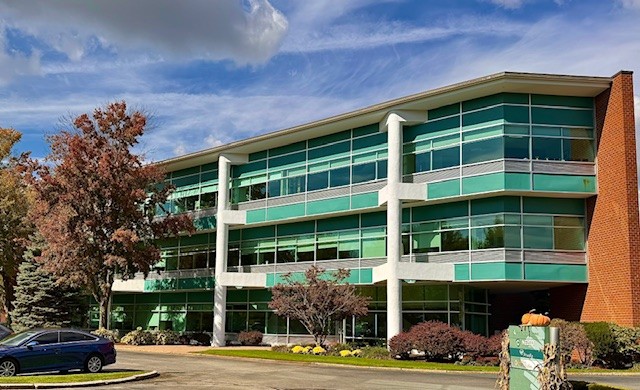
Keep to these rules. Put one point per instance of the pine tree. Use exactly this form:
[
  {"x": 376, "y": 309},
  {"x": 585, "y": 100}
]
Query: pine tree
[{"x": 40, "y": 301}]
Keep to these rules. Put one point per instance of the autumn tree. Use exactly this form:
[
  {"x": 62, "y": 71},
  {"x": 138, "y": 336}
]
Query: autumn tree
[
  {"x": 318, "y": 301},
  {"x": 96, "y": 200},
  {"x": 14, "y": 224}
]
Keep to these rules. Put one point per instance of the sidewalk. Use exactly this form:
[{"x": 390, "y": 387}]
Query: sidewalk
[{"x": 176, "y": 349}]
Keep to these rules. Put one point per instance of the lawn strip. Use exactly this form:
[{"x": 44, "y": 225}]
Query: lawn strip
[
  {"x": 70, "y": 378},
  {"x": 348, "y": 361}
]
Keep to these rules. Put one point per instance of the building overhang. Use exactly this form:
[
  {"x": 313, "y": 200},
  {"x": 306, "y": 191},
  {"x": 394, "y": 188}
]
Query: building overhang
[{"x": 515, "y": 82}]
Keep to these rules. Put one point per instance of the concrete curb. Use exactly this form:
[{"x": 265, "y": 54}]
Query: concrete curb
[{"x": 134, "y": 378}]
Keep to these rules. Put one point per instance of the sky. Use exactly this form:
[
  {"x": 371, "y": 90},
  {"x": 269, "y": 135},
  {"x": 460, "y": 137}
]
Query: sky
[{"x": 208, "y": 72}]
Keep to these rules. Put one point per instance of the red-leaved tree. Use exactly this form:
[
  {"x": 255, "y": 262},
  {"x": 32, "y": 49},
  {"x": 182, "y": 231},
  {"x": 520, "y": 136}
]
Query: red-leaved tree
[
  {"x": 318, "y": 301},
  {"x": 95, "y": 203}
]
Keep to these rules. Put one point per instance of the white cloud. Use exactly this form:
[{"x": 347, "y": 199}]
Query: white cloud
[
  {"x": 188, "y": 29},
  {"x": 630, "y": 4},
  {"x": 13, "y": 64},
  {"x": 508, "y": 4}
]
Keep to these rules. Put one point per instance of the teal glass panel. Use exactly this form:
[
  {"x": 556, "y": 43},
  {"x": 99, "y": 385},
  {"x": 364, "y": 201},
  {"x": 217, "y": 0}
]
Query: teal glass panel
[
  {"x": 440, "y": 126},
  {"x": 556, "y": 272},
  {"x": 554, "y": 206},
  {"x": 516, "y": 114},
  {"x": 516, "y": 147},
  {"x": 374, "y": 141},
  {"x": 455, "y": 240},
  {"x": 564, "y": 183},
  {"x": 486, "y": 115},
  {"x": 483, "y": 183},
  {"x": 328, "y": 205},
  {"x": 330, "y": 150},
  {"x": 365, "y": 130},
  {"x": 254, "y": 156},
  {"x": 517, "y": 181},
  {"x": 422, "y": 162},
  {"x": 512, "y": 237},
  {"x": 339, "y": 177},
  {"x": 461, "y": 272},
  {"x": 441, "y": 211},
  {"x": 557, "y": 116},
  {"x": 328, "y": 139},
  {"x": 363, "y": 172},
  {"x": 287, "y": 149},
  {"x": 516, "y": 129},
  {"x": 443, "y": 111},
  {"x": 364, "y": 200},
  {"x": 283, "y": 212},
  {"x": 485, "y": 150},
  {"x": 374, "y": 247},
  {"x": 577, "y": 150},
  {"x": 250, "y": 169},
  {"x": 537, "y": 220},
  {"x": 289, "y": 229},
  {"x": 538, "y": 237},
  {"x": 495, "y": 205},
  {"x": 374, "y": 219},
  {"x": 445, "y": 158},
  {"x": 566, "y": 101},
  {"x": 258, "y": 232},
  {"x": 185, "y": 172},
  {"x": 491, "y": 100},
  {"x": 546, "y": 148},
  {"x": 339, "y": 223},
  {"x": 317, "y": 181},
  {"x": 255, "y": 216},
  {"x": 287, "y": 160},
  {"x": 488, "y": 237},
  {"x": 488, "y": 271},
  {"x": 546, "y": 131},
  {"x": 443, "y": 189}
]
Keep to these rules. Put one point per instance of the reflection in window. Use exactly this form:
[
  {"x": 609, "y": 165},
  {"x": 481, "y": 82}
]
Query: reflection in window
[
  {"x": 318, "y": 181},
  {"x": 445, "y": 158},
  {"x": 546, "y": 148},
  {"x": 339, "y": 177},
  {"x": 485, "y": 150},
  {"x": 516, "y": 147},
  {"x": 578, "y": 150},
  {"x": 363, "y": 172},
  {"x": 455, "y": 240}
]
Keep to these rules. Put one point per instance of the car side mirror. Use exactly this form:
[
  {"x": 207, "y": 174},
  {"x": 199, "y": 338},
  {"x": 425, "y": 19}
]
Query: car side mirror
[{"x": 30, "y": 344}]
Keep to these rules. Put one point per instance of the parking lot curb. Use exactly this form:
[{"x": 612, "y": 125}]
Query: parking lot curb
[{"x": 134, "y": 378}]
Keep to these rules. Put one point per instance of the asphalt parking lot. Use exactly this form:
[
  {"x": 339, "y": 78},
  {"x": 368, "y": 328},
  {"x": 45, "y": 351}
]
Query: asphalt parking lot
[{"x": 206, "y": 372}]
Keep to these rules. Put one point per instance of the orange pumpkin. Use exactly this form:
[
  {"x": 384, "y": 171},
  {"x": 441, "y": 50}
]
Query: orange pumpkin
[
  {"x": 526, "y": 317},
  {"x": 539, "y": 320}
]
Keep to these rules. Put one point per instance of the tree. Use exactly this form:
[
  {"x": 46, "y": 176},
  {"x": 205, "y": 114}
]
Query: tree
[
  {"x": 41, "y": 300},
  {"x": 14, "y": 224},
  {"x": 318, "y": 301},
  {"x": 96, "y": 200}
]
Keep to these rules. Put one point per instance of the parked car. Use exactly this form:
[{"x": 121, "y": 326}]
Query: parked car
[
  {"x": 40, "y": 350},
  {"x": 5, "y": 331}
]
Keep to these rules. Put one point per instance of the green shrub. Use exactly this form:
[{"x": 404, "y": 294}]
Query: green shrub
[
  {"x": 599, "y": 333},
  {"x": 166, "y": 337},
  {"x": 614, "y": 346},
  {"x": 112, "y": 335},
  {"x": 334, "y": 350},
  {"x": 138, "y": 337}
]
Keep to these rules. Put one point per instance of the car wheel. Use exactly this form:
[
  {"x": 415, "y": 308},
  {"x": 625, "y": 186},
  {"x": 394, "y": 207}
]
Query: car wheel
[
  {"x": 93, "y": 364},
  {"x": 8, "y": 367}
]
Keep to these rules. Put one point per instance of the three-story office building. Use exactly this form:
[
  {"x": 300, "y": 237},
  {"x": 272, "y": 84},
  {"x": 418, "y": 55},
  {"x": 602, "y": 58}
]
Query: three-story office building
[{"x": 466, "y": 204}]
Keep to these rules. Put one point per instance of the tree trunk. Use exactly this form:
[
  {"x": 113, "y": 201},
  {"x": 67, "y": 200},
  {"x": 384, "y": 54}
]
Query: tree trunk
[
  {"x": 104, "y": 313},
  {"x": 9, "y": 284}
]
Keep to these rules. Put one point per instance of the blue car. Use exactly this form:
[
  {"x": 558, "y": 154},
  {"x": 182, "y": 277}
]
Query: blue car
[{"x": 54, "y": 350}]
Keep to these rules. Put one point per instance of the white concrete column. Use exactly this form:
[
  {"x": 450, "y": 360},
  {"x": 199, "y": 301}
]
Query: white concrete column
[
  {"x": 222, "y": 239},
  {"x": 394, "y": 224}
]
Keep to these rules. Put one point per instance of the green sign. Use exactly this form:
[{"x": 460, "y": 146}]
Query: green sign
[{"x": 526, "y": 347}]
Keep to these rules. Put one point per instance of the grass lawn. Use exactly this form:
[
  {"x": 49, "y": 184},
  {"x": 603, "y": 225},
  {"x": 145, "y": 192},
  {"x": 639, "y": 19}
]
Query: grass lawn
[
  {"x": 69, "y": 378},
  {"x": 350, "y": 361}
]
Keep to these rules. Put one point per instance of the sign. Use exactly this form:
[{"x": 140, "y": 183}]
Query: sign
[{"x": 526, "y": 348}]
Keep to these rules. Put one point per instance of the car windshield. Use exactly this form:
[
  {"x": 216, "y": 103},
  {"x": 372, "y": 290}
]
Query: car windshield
[{"x": 17, "y": 338}]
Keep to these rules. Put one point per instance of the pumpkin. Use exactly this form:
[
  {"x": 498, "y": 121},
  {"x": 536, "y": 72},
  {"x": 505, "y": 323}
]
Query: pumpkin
[
  {"x": 537, "y": 320},
  {"x": 527, "y": 316}
]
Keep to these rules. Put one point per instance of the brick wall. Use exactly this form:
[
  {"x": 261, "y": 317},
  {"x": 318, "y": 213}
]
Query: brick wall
[{"x": 613, "y": 293}]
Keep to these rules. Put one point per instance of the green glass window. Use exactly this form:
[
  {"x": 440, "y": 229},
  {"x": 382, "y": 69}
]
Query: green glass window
[
  {"x": 489, "y": 237},
  {"x": 339, "y": 177},
  {"x": 423, "y": 162},
  {"x": 408, "y": 164},
  {"x": 296, "y": 184},
  {"x": 275, "y": 188},
  {"x": 546, "y": 148},
  {"x": 455, "y": 240},
  {"x": 373, "y": 247},
  {"x": 485, "y": 150},
  {"x": 577, "y": 150},
  {"x": 382, "y": 169},
  {"x": 445, "y": 158},
  {"x": 426, "y": 242},
  {"x": 363, "y": 172},
  {"x": 317, "y": 181},
  {"x": 538, "y": 237},
  {"x": 516, "y": 147},
  {"x": 568, "y": 238}
]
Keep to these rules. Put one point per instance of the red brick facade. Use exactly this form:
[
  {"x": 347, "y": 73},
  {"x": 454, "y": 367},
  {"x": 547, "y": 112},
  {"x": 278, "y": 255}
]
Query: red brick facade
[{"x": 613, "y": 249}]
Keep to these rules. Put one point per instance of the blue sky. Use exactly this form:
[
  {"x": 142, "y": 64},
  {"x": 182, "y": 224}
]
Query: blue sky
[{"x": 210, "y": 72}]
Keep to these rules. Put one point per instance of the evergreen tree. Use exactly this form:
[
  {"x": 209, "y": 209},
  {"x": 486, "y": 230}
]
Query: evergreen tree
[{"x": 40, "y": 301}]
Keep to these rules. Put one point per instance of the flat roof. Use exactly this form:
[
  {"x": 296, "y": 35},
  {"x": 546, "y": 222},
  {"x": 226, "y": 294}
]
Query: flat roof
[{"x": 516, "y": 82}]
